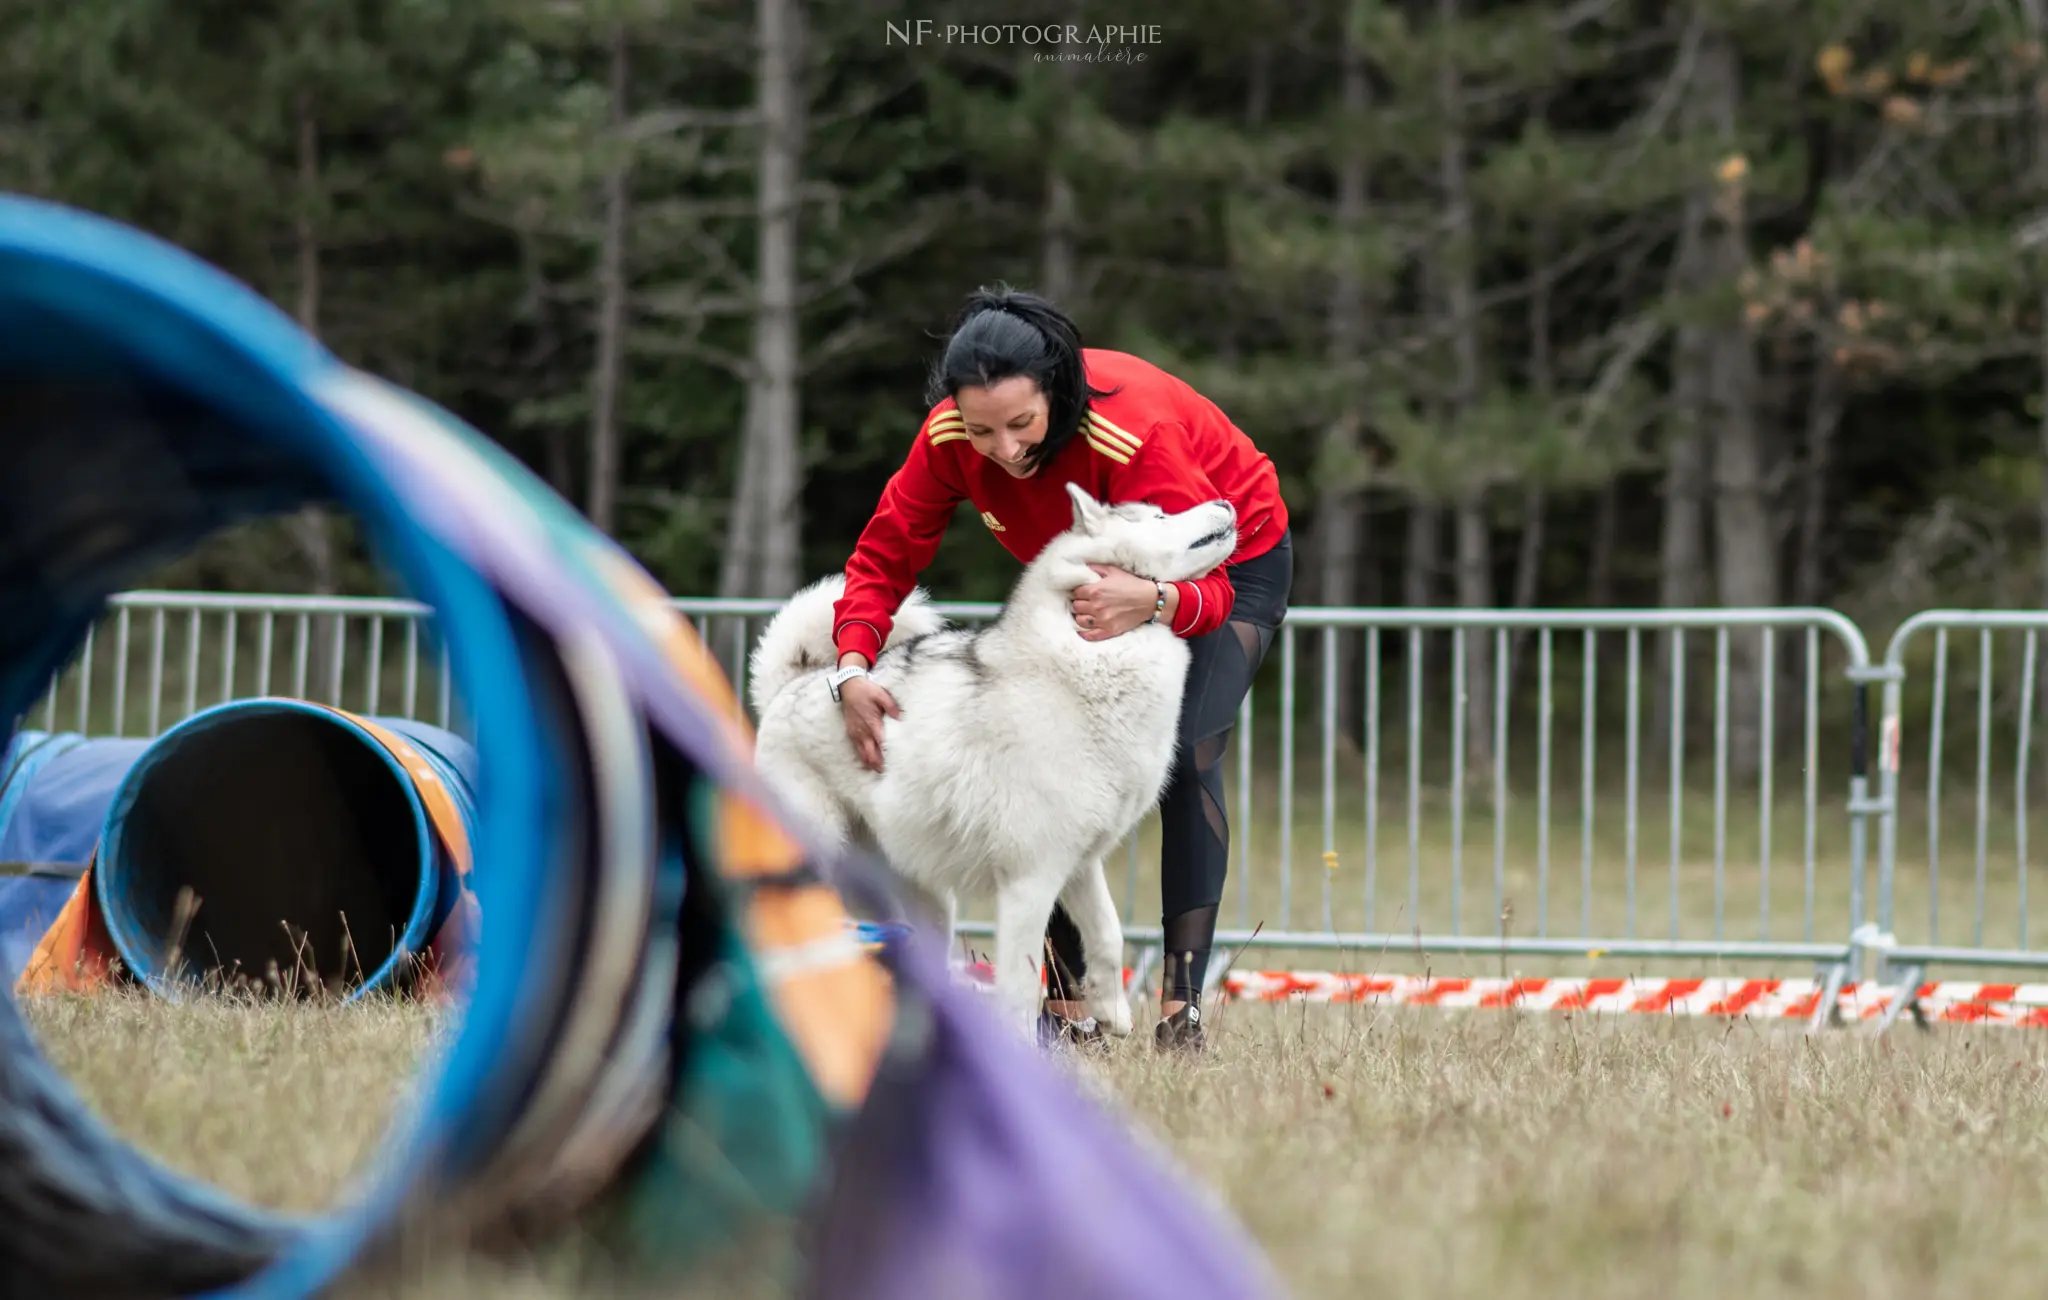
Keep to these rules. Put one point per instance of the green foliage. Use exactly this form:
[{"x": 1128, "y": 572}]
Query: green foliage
[{"x": 1881, "y": 163}]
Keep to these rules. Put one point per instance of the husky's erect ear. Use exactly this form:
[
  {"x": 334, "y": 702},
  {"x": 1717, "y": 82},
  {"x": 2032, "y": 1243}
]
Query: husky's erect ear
[{"x": 1087, "y": 510}]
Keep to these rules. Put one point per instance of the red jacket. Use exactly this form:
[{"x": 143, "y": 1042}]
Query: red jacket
[{"x": 1156, "y": 439}]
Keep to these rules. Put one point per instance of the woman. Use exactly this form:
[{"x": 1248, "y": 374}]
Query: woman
[{"x": 1019, "y": 409}]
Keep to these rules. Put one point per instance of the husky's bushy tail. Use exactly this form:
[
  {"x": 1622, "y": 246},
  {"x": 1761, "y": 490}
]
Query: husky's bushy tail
[{"x": 798, "y": 639}]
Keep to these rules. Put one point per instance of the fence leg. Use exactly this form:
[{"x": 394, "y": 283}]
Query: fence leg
[
  {"x": 1907, "y": 999},
  {"x": 1827, "y": 1011}
]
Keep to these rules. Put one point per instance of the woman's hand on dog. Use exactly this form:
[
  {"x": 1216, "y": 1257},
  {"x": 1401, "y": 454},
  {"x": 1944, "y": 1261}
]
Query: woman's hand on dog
[
  {"x": 865, "y": 704},
  {"x": 1117, "y": 602}
]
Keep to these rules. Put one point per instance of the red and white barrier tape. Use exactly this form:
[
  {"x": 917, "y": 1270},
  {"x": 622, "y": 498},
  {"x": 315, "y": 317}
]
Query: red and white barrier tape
[
  {"x": 1950, "y": 1002},
  {"x": 2024, "y": 1005}
]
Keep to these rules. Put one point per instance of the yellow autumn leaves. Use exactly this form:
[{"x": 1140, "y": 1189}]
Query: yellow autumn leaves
[
  {"x": 1795, "y": 279},
  {"x": 1798, "y": 290},
  {"x": 1836, "y": 68}
]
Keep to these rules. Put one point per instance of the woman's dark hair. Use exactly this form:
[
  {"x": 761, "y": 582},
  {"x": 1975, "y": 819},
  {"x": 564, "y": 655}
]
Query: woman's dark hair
[{"x": 1002, "y": 332}]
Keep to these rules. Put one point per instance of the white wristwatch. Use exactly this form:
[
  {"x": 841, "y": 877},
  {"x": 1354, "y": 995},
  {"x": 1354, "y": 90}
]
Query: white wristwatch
[{"x": 842, "y": 676}]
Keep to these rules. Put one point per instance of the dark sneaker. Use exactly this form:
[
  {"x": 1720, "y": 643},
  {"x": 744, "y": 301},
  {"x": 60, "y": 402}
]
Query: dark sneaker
[
  {"x": 1181, "y": 1031},
  {"x": 1055, "y": 1030}
]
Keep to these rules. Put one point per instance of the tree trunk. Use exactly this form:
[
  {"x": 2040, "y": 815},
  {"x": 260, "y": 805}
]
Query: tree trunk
[
  {"x": 1746, "y": 560},
  {"x": 1542, "y": 386},
  {"x": 1422, "y": 557},
  {"x": 556, "y": 452},
  {"x": 1475, "y": 591},
  {"x": 1529, "y": 552},
  {"x": 1057, "y": 274},
  {"x": 1824, "y": 404},
  {"x": 1339, "y": 500},
  {"x": 1474, "y": 533},
  {"x": 1682, "y": 560},
  {"x": 1682, "y": 577},
  {"x": 2041, "y": 127},
  {"x": 1682, "y": 583},
  {"x": 607, "y": 375},
  {"x": 310, "y": 528},
  {"x": 1606, "y": 535},
  {"x": 1746, "y": 553},
  {"x": 2035, "y": 14},
  {"x": 1059, "y": 278},
  {"x": 764, "y": 534}
]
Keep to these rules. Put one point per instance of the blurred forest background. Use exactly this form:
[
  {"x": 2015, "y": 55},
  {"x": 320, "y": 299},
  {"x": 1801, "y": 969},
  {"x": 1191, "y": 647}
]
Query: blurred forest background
[
  {"x": 1579, "y": 303},
  {"x": 1583, "y": 303}
]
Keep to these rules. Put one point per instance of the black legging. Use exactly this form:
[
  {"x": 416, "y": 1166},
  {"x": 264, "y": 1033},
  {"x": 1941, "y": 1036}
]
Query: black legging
[{"x": 1194, "y": 851}]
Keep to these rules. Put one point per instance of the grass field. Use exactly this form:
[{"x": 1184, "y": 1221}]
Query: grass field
[
  {"x": 1390, "y": 1154},
  {"x": 1372, "y": 1153}
]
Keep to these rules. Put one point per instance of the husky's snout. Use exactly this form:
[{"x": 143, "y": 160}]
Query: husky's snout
[
  {"x": 1227, "y": 508},
  {"x": 1223, "y": 531}
]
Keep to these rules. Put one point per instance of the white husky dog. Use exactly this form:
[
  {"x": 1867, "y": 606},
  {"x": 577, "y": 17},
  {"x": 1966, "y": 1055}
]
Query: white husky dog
[{"x": 1024, "y": 753}]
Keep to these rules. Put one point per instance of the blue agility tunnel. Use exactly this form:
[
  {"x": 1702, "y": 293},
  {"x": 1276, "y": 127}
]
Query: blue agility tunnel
[
  {"x": 55, "y": 789},
  {"x": 278, "y": 840},
  {"x": 271, "y": 840}
]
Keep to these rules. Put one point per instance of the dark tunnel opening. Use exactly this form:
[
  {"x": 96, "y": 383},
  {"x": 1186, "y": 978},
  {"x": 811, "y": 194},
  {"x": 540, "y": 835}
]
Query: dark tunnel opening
[{"x": 300, "y": 846}]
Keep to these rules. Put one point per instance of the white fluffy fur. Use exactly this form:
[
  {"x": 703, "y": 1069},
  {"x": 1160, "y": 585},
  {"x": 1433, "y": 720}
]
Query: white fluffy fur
[
  {"x": 798, "y": 639},
  {"x": 1024, "y": 753}
]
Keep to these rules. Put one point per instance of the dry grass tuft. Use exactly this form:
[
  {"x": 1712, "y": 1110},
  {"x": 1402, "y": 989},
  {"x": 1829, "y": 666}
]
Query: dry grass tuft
[
  {"x": 280, "y": 1104},
  {"x": 1373, "y": 1153}
]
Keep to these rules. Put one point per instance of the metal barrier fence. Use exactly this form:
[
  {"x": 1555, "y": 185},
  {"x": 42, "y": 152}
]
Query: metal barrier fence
[
  {"x": 1380, "y": 804},
  {"x": 1919, "y": 897},
  {"x": 331, "y": 649}
]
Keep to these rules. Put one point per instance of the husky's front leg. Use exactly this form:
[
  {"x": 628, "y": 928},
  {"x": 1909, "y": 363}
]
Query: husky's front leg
[
  {"x": 1023, "y": 906},
  {"x": 1093, "y": 910}
]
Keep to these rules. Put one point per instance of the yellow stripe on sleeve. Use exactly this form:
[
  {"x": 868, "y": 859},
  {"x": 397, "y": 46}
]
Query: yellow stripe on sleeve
[
  {"x": 1118, "y": 437},
  {"x": 1104, "y": 446}
]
